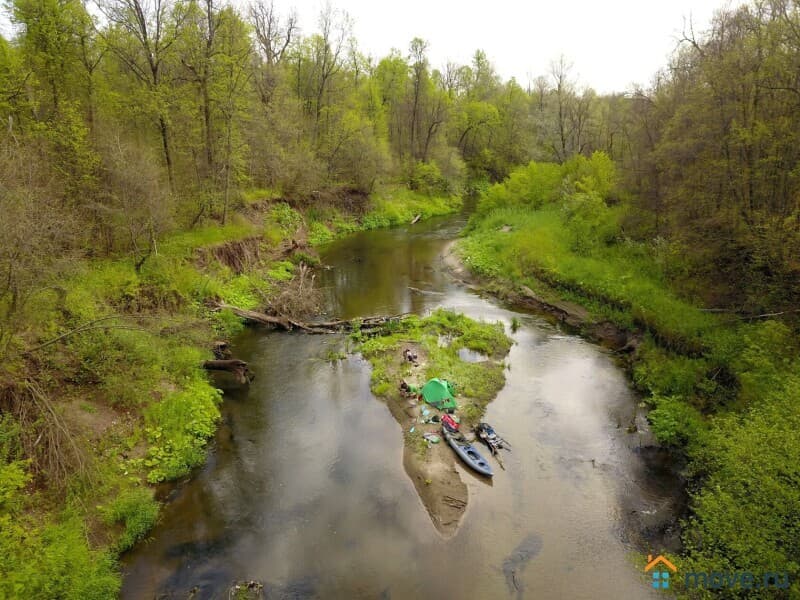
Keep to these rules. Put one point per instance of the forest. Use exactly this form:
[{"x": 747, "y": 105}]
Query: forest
[{"x": 135, "y": 132}]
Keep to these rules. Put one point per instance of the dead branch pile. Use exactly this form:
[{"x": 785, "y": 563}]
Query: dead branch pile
[
  {"x": 298, "y": 297},
  {"x": 46, "y": 439}
]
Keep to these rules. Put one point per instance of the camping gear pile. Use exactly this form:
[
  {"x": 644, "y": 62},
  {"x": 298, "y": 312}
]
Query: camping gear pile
[
  {"x": 440, "y": 395},
  {"x": 488, "y": 436}
]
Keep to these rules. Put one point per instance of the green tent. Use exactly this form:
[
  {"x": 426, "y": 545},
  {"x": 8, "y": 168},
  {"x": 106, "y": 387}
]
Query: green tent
[{"x": 439, "y": 394}]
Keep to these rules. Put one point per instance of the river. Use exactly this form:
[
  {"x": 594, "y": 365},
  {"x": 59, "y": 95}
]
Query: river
[{"x": 304, "y": 489}]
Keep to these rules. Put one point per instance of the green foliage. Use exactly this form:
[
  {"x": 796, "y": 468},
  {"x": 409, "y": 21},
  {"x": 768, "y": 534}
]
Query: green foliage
[
  {"x": 137, "y": 511},
  {"x": 486, "y": 338},
  {"x": 53, "y": 560},
  {"x": 674, "y": 422},
  {"x": 660, "y": 371},
  {"x": 10, "y": 448},
  {"x": 251, "y": 195},
  {"x": 178, "y": 427},
  {"x": 13, "y": 477},
  {"x": 768, "y": 350},
  {"x": 284, "y": 218},
  {"x": 247, "y": 291},
  {"x": 301, "y": 257},
  {"x": 226, "y": 323},
  {"x": 592, "y": 223},
  {"x": 398, "y": 206},
  {"x": 281, "y": 271},
  {"x": 745, "y": 516},
  {"x": 724, "y": 392},
  {"x": 77, "y": 162},
  {"x": 318, "y": 234},
  {"x": 426, "y": 178},
  {"x": 540, "y": 246},
  {"x": 533, "y": 186},
  {"x": 182, "y": 244},
  {"x": 595, "y": 175}
]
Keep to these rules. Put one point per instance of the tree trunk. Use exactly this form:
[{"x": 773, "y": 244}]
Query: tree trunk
[{"x": 162, "y": 123}]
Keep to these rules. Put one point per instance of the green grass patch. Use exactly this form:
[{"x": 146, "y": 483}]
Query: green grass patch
[
  {"x": 476, "y": 384},
  {"x": 398, "y": 205},
  {"x": 137, "y": 511}
]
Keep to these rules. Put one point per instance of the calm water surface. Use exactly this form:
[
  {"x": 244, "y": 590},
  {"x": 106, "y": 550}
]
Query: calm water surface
[{"x": 305, "y": 489}]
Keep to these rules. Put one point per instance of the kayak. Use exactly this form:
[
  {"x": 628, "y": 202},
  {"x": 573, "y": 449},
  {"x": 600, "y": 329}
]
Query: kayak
[{"x": 467, "y": 452}]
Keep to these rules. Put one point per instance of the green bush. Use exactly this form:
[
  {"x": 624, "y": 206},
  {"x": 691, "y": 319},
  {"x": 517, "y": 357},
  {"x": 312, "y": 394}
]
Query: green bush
[
  {"x": 534, "y": 186},
  {"x": 594, "y": 175},
  {"x": 319, "y": 234},
  {"x": 53, "y": 561},
  {"x": 674, "y": 422},
  {"x": 178, "y": 428},
  {"x": 137, "y": 511},
  {"x": 427, "y": 179}
]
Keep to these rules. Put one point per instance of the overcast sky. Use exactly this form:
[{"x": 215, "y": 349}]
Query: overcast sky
[{"x": 611, "y": 43}]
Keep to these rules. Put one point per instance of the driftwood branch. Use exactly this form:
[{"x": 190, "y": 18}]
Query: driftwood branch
[
  {"x": 337, "y": 326},
  {"x": 83, "y": 328}
]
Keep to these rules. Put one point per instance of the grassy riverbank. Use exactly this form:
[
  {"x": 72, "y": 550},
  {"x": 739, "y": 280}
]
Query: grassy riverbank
[
  {"x": 104, "y": 394},
  {"x": 723, "y": 389}
]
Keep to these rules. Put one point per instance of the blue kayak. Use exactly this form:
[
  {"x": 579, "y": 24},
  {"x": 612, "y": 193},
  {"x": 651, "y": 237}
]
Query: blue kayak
[{"x": 467, "y": 452}]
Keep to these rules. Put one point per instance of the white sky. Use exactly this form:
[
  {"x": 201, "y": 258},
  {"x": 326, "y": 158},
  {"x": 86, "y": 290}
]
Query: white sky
[{"x": 611, "y": 43}]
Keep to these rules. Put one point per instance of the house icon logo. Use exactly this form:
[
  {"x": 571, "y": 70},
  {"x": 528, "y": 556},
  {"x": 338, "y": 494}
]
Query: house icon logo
[{"x": 660, "y": 568}]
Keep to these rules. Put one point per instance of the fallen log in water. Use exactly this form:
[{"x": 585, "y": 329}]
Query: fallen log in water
[
  {"x": 238, "y": 367},
  {"x": 366, "y": 324}
]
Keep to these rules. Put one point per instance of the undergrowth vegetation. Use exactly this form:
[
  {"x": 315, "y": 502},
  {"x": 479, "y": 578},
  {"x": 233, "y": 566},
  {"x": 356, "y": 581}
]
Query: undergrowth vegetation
[{"x": 722, "y": 389}]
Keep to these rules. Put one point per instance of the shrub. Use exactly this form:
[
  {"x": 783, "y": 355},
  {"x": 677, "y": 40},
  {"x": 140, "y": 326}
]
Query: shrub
[
  {"x": 674, "y": 422},
  {"x": 137, "y": 511},
  {"x": 426, "y": 178},
  {"x": 178, "y": 428}
]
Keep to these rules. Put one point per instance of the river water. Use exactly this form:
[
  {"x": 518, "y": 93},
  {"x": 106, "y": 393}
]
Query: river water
[{"x": 305, "y": 491}]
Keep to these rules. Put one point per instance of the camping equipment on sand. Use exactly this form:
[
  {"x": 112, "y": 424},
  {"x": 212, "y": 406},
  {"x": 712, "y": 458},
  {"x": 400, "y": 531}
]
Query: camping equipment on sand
[
  {"x": 449, "y": 423},
  {"x": 439, "y": 394}
]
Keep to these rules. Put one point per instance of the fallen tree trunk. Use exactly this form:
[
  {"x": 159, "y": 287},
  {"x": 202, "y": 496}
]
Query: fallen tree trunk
[
  {"x": 238, "y": 367},
  {"x": 366, "y": 324}
]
